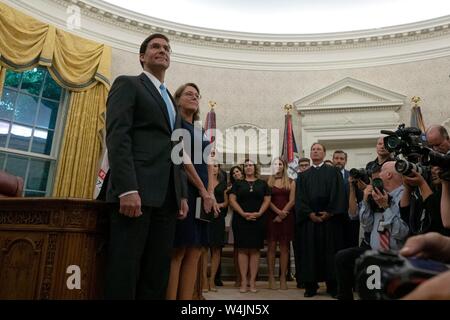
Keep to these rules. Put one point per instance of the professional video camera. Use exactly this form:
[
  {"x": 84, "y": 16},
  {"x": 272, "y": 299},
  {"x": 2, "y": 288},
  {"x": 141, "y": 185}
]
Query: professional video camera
[
  {"x": 410, "y": 150},
  {"x": 385, "y": 275},
  {"x": 410, "y": 143}
]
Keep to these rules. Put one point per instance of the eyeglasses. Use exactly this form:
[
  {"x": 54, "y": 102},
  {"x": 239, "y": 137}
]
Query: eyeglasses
[
  {"x": 192, "y": 95},
  {"x": 157, "y": 46}
]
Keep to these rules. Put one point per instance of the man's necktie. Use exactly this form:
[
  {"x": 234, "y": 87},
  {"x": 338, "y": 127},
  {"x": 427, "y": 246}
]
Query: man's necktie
[
  {"x": 170, "y": 110},
  {"x": 385, "y": 239}
]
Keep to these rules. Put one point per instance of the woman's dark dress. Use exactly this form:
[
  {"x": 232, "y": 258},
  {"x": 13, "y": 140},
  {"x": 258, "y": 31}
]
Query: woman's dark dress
[
  {"x": 217, "y": 226},
  {"x": 249, "y": 234},
  {"x": 192, "y": 232}
]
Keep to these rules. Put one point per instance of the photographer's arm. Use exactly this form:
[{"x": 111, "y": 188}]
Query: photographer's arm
[
  {"x": 445, "y": 204},
  {"x": 365, "y": 212},
  {"x": 366, "y": 217},
  {"x": 352, "y": 202}
]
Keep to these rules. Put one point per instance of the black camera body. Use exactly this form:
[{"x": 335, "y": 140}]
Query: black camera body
[
  {"x": 408, "y": 141},
  {"x": 360, "y": 174},
  {"x": 385, "y": 275}
]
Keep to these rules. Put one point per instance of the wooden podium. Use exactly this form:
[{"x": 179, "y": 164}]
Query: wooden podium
[{"x": 41, "y": 238}]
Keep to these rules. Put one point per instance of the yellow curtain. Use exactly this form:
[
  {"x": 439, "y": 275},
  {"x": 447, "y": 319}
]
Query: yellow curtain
[
  {"x": 78, "y": 65},
  {"x": 2, "y": 79},
  {"x": 81, "y": 138}
]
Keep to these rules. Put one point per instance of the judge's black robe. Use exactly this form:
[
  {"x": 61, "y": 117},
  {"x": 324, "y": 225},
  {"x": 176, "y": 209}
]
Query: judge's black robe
[{"x": 320, "y": 189}]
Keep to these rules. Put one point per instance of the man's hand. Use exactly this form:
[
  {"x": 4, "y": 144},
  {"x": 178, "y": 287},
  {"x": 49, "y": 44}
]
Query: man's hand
[
  {"x": 184, "y": 208},
  {"x": 381, "y": 199},
  {"x": 314, "y": 218},
  {"x": 436, "y": 288},
  {"x": 431, "y": 245},
  {"x": 130, "y": 205}
]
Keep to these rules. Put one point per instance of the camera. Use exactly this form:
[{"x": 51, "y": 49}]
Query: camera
[
  {"x": 385, "y": 275},
  {"x": 376, "y": 183},
  {"x": 406, "y": 168},
  {"x": 408, "y": 141},
  {"x": 360, "y": 174},
  {"x": 442, "y": 161}
]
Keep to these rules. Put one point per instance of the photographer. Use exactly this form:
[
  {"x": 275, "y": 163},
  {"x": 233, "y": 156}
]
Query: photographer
[
  {"x": 432, "y": 246},
  {"x": 420, "y": 203},
  {"x": 383, "y": 156},
  {"x": 387, "y": 229},
  {"x": 438, "y": 139}
]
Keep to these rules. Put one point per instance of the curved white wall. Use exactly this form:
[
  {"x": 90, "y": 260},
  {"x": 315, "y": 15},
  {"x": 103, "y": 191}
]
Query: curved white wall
[{"x": 252, "y": 82}]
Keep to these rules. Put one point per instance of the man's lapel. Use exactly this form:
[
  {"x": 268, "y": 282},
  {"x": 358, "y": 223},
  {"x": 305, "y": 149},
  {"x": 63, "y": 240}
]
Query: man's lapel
[{"x": 154, "y": 92}]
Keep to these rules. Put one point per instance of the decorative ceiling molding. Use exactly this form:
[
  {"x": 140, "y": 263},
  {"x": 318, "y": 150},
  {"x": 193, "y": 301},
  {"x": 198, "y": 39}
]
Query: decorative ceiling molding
[
  {"x": 349, "y": 95},
  {"x": 124, "y": 29}
]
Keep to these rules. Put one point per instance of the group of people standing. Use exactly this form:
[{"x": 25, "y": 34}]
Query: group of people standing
[{"x": 156, "y": 240}]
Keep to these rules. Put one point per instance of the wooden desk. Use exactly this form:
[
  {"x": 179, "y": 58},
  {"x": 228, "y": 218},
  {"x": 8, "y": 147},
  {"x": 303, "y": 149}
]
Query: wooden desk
[{"x": 41, "y": 237}]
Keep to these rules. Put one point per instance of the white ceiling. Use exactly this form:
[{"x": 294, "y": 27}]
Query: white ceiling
[{"x": 289, "y": 16}]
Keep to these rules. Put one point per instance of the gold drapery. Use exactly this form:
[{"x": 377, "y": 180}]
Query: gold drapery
[
  {"x": 78, "y": 65},
  {"x": 2, "y": 79},
  {"x": 78, "y": 142}
]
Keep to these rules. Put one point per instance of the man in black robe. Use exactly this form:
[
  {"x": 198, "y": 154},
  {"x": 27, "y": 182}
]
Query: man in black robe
[{"x": 320, "y": 206}]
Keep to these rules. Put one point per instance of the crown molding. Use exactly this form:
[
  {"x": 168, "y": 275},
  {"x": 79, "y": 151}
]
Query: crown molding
[{"x": 124, "y": 29}]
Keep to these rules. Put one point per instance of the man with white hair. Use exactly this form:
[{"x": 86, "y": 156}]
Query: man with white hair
[{"x": 386, "y": 227}]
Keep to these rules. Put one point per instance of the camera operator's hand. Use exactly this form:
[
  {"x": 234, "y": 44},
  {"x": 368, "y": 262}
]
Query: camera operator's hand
[
  {"x": 367, "y": 191},
  {"x": 314, "y": 218},
  {"x": 361, "y": 185},
  {"x": 381, "y": 199},
  {"x": 431, "y": 245},
  {"x": 415, "y": 180}
]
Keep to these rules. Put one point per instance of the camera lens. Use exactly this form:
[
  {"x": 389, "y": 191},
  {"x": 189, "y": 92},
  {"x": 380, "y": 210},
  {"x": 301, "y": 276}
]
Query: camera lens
[
  {"x": 392, "y": 142},
  {"x": 402, "y": 166}
]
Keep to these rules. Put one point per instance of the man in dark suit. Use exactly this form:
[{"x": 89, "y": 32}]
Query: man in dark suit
[
  {"x": 147, "y": 190},
  {"x": 351, "y": 225}
]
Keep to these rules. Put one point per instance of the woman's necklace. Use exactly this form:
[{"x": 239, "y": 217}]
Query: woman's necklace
[{"x": 251, "y": 183}]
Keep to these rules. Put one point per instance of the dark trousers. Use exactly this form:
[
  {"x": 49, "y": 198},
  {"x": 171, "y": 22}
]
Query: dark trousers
[
  {"x": 296, "y": 255},
  {"x": 139, "y": 252},
  {"x": 345, "y": 265}
]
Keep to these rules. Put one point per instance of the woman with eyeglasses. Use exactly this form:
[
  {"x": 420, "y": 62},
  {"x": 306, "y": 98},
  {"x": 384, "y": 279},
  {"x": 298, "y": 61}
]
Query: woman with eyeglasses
[
  {"x": 280, "y": 220},
  {"x": 249, "y": 198},
  {"x": 191, "y": 234}
]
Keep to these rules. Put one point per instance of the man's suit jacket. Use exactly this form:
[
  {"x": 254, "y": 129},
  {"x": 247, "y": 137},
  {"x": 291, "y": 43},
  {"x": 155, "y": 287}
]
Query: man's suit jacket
[
  {"x": 138, "y": 138},
  {"x": 346, "y": 187}
]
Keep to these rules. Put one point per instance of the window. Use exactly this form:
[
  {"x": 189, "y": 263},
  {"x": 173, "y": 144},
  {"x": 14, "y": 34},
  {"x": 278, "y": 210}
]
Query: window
[{"x": 31, "y": 112}]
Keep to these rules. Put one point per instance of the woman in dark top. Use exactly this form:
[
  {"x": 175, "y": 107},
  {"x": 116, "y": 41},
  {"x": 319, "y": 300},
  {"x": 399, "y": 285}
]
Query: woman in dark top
[
  {"x": 249, "y": 199},
  {"x": 191, "y": 234},
  {"x": 236, "y": 174},
  {"x": 217, "y": 226},
  {"x": 280, "y": 220}
]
